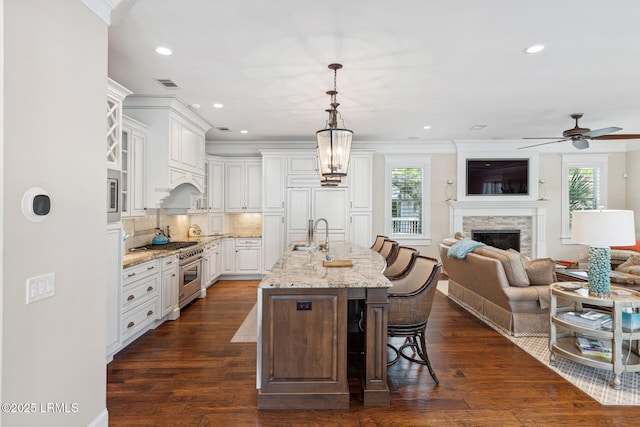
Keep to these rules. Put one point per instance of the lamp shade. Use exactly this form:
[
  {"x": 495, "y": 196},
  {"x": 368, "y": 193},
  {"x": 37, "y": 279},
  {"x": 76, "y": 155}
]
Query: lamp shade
[
  {"x": 334, "y": 149},
  {"x": 603, "y": 227}
]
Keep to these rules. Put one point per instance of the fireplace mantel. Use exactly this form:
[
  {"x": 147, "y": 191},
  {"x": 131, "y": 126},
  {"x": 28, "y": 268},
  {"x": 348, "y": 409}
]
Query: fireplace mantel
[{"x": 536, "y": 209}]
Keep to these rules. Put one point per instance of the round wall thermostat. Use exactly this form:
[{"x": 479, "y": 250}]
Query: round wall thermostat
[{"x": 36, "y": 204}]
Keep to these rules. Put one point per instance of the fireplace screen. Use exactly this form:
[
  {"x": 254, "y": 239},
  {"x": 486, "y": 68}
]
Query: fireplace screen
[{"x": 501, "y": 239}]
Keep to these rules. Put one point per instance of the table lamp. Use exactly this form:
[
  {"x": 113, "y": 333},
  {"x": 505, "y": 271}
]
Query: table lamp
[{"x": 601, "y": 229}]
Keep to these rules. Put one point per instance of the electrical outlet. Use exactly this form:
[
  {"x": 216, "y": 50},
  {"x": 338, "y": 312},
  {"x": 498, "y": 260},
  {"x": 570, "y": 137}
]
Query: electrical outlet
[{"x": 41, "y": 287}]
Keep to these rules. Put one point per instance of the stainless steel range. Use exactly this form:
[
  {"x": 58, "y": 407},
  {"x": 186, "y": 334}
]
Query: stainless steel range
[
  {"x": 190, "y": 267},
  {"x": 190, "y": 275}
]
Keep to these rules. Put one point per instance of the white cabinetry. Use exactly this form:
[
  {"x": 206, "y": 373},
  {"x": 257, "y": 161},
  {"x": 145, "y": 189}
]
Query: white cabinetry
[
  {"x": 304, "y": 204},
  {"x": 360, "y": 198},
  {"x": 212, "y": 259},
  {"x": 243, "y": 186},
  {"x": 273, "y": 183},
  {"x": 228, "y": 256},
  {"x": 170, "y": 269},
  {"x": 134, "y": 141},
  {"x": 175, "y": 146},
  {"x": 273, "y": 238},
  {"x": 140, "y": 302},
  {"x": 248, "y": 255},
  {"x": 114, "y": 287},
  {"x": 116, "y": 93}
]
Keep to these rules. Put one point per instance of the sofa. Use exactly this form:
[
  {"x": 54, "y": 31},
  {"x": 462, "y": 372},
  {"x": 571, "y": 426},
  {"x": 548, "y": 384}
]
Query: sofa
[{"x": 500, "y": 286}]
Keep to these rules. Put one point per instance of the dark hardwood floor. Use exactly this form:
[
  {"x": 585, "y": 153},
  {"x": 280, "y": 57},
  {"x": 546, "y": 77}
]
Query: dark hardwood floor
[{"x": 187, "y": 373}]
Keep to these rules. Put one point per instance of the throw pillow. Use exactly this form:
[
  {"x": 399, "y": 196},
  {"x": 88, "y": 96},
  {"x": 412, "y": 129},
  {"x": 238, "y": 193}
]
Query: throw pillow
[
  {"x": 631, "y": 265},
  {"x": 635, "y": 247},
  {"x": 512, "y": 264},
  {"x": 541, "y": 271},
  {"x": 463, "y": 247}
]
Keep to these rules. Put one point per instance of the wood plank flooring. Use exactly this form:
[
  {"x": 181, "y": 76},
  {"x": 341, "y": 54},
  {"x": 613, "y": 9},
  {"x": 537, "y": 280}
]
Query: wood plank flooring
[{"x": 187, "y": 373}]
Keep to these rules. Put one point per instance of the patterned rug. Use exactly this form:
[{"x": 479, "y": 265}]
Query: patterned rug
[{"x": 593, "y": 381}]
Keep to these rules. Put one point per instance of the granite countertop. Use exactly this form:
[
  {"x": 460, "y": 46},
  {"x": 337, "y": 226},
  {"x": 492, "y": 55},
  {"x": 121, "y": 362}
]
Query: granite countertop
[
  {"x": 132, "y": 258},
  {"x": 292, "y": 270}
]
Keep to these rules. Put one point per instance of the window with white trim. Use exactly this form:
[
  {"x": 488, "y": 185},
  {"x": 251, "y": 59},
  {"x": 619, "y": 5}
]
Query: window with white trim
[
  {"x": 407, "y": 199},
  {"x": 584, "y": 186}
]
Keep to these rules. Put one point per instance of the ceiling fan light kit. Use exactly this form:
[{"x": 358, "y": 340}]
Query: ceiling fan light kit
[
  {"x": 580, "y": 137},
  {"x": 334, "y": 143}
]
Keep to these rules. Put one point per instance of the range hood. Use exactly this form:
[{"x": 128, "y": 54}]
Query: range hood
[{"x": 180, "y": 199}]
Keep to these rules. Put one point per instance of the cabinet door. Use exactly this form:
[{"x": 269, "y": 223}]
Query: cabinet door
[
  {"x": 169, "y": 285},
  {"x": 216, "y": 186},
  {"x": 248, "y": 260},
  {"x": 228, "y": 256},
  {"x": 234, "y": 182},
  {"x": 298, "y": 214},
  {"x": 360, "y": 229},
  {"x": 360, "y": 173},
  {"x": 331, "y": 204},
  {"x": 274, "y": 185},
  {"x": 137, "y": 173},
  {"x": 253, "y": 187},
  {"x": 114, "y": 287},
  {"x": 214, "y": 263},
  {"x": 273, "y": 238}
]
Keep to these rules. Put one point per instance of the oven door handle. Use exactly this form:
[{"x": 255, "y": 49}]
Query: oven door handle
[{"x": 191, "y": 263}]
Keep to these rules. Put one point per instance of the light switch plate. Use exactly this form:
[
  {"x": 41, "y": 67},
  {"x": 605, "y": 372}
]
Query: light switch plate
[{"x": 41, "y": 287}]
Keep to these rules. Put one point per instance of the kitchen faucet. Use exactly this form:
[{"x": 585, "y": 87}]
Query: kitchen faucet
[{"x": 315, "y": 228}]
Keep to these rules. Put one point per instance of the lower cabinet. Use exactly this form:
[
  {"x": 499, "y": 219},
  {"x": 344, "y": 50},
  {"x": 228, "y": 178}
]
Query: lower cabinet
[
  {"x": 140, "y": 299},
  {"x": 211, "y": 264},
  {"x": 114, "y": 287},
  {"x": 170, "y": 271},
  {"x": 242, "y": 256}
]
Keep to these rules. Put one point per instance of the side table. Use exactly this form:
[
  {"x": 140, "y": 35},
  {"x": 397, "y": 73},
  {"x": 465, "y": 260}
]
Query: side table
[{"x": 624, "y": 342}]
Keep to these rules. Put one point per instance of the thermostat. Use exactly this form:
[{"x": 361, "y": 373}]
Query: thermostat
[{"x": 36, "y": 204}]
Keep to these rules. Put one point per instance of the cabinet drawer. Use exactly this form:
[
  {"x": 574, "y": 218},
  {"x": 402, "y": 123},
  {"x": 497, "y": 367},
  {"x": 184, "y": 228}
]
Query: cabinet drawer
[
  {"x": 139, "y": 318},
  {"x": 139, "y": 292},
  {"x": 248, "y": 242},
  {"x": 170, "y": 262},
  {"x": 140, "y": 271}
]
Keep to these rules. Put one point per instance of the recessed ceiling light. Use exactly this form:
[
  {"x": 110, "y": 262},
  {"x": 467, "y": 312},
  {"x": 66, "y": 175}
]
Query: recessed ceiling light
[
  {"x": 218, "y": 105},
  {"x": 163, "y": 50},
  {"x": 244, "y": 131},
  {"x": 534, "y": 48},
  {"x": 195, "y": 106},
  {"x": 477, "y": 127},
  {"x": 426, "y": 127}
]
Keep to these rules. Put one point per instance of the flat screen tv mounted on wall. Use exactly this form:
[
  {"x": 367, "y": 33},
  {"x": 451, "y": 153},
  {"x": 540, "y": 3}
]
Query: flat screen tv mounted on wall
[{"x": 497, "y": 177}]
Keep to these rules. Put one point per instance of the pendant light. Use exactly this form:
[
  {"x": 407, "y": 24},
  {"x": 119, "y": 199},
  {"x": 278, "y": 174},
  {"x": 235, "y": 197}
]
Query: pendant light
[{"x": 334, "y": 143}]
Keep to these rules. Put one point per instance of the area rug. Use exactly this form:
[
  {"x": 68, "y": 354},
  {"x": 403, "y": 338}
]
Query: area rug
[
  {"x": 593, "y": 381},
  {"x": 248, "y": 331}
]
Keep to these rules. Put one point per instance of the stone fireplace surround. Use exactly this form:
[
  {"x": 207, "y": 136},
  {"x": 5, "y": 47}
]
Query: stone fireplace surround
[{"x": 527, "y": 216}]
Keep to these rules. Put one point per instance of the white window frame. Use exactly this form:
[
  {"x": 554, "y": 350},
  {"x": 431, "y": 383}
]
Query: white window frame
[
  {"x": 424, "y": 163},
  {"x": 581, "y": 161}
]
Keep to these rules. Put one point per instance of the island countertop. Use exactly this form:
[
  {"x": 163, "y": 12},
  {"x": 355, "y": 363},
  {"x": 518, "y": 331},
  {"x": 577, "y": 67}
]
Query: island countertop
[{"x": 292, "y": 270}]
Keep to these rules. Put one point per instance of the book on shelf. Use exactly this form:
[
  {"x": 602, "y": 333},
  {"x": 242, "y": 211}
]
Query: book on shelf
[
  {"x": 589, "y": 319},
  {"x": 594, "y": 347}
]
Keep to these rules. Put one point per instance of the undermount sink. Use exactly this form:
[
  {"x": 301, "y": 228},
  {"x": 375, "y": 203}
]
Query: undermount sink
[{"x": 302, "y": 247}]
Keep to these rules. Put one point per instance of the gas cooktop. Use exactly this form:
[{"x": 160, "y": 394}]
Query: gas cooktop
[{"x": 171, "y": 246}]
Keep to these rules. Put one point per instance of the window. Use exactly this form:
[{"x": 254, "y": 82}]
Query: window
[
  {"x": 583, "y": 187},
  {"x": 407, "y": 200}
]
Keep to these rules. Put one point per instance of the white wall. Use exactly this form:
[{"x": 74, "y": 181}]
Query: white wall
[
  {"x": 54, "y": 137},
  {"x": 632, "y": 168}
]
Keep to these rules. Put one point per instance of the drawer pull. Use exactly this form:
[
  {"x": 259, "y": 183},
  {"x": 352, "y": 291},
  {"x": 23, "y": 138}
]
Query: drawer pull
[
  {"x": 131, "y": 325},
  {"x": 150, "y": 288},
  {"x": 130, "y": 297},
  {"x": 151, "y": 267},
  {"x": 169, "y": 262},
  {"x": 131, "y": 274},
  {"x": 149, "y": 313}
]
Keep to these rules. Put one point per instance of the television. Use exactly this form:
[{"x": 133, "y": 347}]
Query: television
[{"x": 497, "y": 177}]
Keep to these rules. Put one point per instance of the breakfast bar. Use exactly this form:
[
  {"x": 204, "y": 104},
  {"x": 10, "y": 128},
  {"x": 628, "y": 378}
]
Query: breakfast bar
[{"x": 306, "y": 306}]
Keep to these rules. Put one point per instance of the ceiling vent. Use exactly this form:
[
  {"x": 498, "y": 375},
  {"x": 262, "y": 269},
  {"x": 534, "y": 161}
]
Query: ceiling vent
[
  {"x": 223, "y": 129},
  {"x": 168, "y": 84}
]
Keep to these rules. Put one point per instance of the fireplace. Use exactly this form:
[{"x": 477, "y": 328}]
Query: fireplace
[{"x": 501, "y": 239}]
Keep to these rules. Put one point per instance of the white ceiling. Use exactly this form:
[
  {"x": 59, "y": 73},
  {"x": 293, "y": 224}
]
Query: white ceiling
[{"x": 409, "y": 63}]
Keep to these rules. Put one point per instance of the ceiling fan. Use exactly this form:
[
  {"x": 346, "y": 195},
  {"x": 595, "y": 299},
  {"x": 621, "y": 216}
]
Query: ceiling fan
[{"x": 580, "y": 136}]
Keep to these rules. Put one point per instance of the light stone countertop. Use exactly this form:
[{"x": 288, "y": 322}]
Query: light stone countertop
[
  {"x": 292, "y": 269},
  {"x": 133, "y": 258}
]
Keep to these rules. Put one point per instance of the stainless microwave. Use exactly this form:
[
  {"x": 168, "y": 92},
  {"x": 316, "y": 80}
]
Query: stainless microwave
[{"x": 113, "y": 195}]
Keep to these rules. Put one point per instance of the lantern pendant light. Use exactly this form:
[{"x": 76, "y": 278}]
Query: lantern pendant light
[{"x": 334, "y": 143}]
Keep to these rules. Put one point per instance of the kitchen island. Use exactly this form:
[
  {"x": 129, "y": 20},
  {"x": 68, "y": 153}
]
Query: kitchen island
[{"x": 307, "y": 339}]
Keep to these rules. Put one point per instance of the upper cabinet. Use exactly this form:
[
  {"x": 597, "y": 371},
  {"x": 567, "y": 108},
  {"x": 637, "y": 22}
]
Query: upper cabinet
[
  {"x": 273, "y": 182},
  {"x": 134, "y": 143},
  {"x": 175, "y": 152},
  {"x": 116, "y": 93},
  {"x": 243, "y": 186}
]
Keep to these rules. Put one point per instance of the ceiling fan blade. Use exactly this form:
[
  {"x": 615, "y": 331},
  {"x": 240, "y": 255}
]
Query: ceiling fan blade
[
  {"x": 619, "y": 136},
  {"x": 542, "y": 143},
  {"x": 600, "y": 132},
  {"x": 544, "y": 137}
]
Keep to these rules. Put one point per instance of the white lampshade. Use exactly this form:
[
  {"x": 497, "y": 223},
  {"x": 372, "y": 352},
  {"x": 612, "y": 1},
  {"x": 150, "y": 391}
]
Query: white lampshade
[{"x": 603, "y": 228}]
